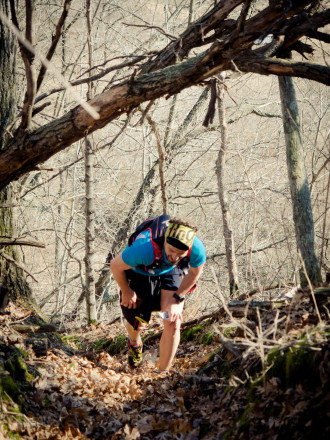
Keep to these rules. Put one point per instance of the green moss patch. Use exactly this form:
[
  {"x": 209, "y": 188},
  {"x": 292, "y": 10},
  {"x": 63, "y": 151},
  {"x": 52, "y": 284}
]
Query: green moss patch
[
  {"x": 9, "y": 387},
  {"x": 198, "y": 333},
  {"x": 10, "y": 434},
  {"x": 18, "y": 369},
  {"x": 294, "y": 365},
  {"x": 115, "y": 345}
]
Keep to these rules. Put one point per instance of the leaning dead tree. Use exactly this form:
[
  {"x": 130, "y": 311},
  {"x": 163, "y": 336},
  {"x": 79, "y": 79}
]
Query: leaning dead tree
[{"x": 229, "y": 44}]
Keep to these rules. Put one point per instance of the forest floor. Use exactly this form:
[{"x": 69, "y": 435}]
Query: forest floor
[{"x": 264, "y": 375}]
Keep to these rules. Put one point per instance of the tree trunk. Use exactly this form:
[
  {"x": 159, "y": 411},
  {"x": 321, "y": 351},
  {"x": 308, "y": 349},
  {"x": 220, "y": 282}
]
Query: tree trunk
[
  {"x": 89, "y": 201},
  {"x": 10, "y": 274},
  {"x": 300, "y": 194},
  {"x": 58, "y": 244},
  {"x": 89, "y": 234},
  {"x": 226, "y": 217}
]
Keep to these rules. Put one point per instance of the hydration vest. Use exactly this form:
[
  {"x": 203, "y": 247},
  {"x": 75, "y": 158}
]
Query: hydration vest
[{"x": 157, "y": 227}]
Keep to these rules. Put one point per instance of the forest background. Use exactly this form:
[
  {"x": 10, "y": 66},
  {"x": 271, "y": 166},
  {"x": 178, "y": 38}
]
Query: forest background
[
  {"x": 113, "y": 111},
  {"x": 215, "y": 153}
]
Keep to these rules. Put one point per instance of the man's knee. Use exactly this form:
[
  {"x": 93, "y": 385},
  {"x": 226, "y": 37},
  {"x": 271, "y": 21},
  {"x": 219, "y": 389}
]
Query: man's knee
[
  {"x": 142, "y": 326},
  {"x": 174, "y": 326},
  {"x": 137, "y": 326}
]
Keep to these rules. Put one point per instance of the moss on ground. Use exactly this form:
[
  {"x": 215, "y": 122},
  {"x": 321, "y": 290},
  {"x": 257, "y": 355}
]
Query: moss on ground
[
  {"x": 115, "y": 345},
  {"x": 200, "y": 333},
  {"x": 15, "y": 378},
  {"x": 10, "y": 434},
  {"x": 9, "y": 387},
  {"x": 66, "y": 339},
  {"x": 18, "y": 370},
  {"x": 294, "y": 365}
]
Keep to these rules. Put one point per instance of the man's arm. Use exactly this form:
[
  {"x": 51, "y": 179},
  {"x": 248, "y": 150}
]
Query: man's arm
[
  {"x": 171, "y": 306},
  {"x": 190, "y": 279},
  {"x": 128, "y": 296}
]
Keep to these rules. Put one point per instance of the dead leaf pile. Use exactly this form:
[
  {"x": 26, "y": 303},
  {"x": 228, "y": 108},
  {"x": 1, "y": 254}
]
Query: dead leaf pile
[{"x": 88, "y": 394}]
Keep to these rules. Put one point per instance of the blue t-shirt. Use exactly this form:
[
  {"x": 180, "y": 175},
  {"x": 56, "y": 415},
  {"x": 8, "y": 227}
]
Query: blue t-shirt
[{"x": 141, "y": 253}]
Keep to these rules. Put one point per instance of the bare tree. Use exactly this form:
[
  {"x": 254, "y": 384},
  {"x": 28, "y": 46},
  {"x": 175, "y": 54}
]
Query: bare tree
[
  {"x": 221, "y": 173},
  {"x": 300, "y": 193},
  {"x": 89, "y": 233},
  {"x": 89, "y": 201}
]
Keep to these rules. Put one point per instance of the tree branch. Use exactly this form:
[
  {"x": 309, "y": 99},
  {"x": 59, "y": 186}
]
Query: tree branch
[
  {"x": 20, "y": 242},
  {"x": 24, "y": 155},
  {"x": 253, "y": 250},
  {"x": 28, "y": 59},
  {"x": 15, "y": 263},
  {"x": 319, "y": 36},
  {"x": 281, "y": 67},
  {"x": 194, "y": 36},
  {"x": 55, "y": 40}
]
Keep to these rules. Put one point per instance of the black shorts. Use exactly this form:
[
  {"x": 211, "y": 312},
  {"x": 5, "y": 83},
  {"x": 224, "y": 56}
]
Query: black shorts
[{"x": 148, "y": 289}]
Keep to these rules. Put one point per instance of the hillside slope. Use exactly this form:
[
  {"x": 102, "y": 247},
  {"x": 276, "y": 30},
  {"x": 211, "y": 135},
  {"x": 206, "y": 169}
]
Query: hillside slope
[{"x": 76, "y": 384}]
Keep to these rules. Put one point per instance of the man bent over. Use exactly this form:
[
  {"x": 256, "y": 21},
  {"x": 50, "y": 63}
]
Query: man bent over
[{"x": 161, "y": 264}]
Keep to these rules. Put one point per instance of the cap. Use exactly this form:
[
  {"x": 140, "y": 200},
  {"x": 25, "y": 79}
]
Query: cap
[{"x": 179, "y": 236}]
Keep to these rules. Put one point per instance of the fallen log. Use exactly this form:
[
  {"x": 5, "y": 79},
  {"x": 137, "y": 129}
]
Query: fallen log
[
  {"x": 240, "y": 309},
  {"x": 202, "y": 379},
  {"x": 26, "y": 328},
  {"x": 38, "y": 345}
]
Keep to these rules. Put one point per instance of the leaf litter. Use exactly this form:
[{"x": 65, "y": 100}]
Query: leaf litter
[{"x": 86, "y": 393}]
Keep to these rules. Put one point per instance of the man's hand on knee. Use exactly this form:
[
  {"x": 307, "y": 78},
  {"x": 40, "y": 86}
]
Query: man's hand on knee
[{"x": 129, "y": 299}]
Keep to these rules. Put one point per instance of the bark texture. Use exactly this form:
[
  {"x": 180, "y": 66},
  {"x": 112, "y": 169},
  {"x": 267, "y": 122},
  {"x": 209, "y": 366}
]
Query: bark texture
[
  {"x": 10, "y": 274},
  {"x": 300, "y": 193},
  {"x": 90, "y": 233},
  {"x": 7, "y": 75},
  {"x": 89, "y": 201},
  {"x": 226, "y": 217}
]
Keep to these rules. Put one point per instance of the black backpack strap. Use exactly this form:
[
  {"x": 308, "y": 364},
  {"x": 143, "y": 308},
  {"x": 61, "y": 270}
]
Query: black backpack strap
[
  {"x": 157, "y": 227},
  {"x": 142, "y": 227}
]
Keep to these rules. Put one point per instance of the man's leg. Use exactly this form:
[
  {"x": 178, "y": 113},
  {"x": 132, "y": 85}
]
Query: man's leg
[
  {"x": 134, "y": 335},
  {"x": 170, "y": 339},
  {"x": 135, "y": 345}
]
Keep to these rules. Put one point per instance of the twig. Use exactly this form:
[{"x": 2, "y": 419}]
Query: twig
[
  {"x": 20, "y": 266},
  {"x": 260, "y": 340},
  {"x": 171, "y": 37},
  {"x": 238, "y": 323},
  {"x": 310, "y": 286},
  {"x": 16, "y": 414},
  {"x": 229, "y": 346},
  {"x": 55, "y": 40},
  {"x": 161, "y": 161},
  {"x": 202, "y": 379},
  {"x": 253, "y": 251}
]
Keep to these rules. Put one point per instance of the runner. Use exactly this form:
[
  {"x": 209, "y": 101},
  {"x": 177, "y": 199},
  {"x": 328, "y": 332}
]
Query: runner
[{"x": 159, "y": 267}]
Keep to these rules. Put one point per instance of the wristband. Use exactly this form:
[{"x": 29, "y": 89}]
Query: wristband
[{"x": 178, "y": 298}]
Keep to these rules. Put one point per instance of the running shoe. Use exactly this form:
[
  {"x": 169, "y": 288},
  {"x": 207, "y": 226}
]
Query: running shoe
[{"x": 134, "y": 355}]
